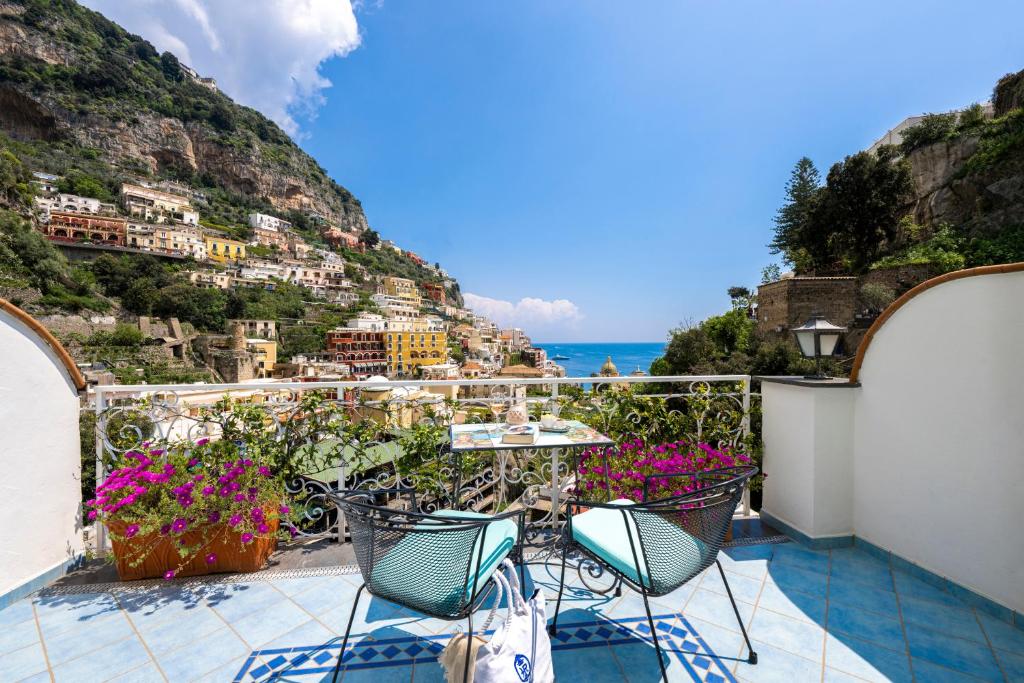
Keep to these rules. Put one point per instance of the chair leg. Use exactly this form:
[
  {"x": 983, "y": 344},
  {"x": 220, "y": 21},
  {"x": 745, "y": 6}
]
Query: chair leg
[
  {"x": 654, "y": 636},
  {"x": 469, "y": 648},
  {"x": 752, "y": 658},
  {"x": 348, "y": 629},
  {"x": 553, "y": 626}
]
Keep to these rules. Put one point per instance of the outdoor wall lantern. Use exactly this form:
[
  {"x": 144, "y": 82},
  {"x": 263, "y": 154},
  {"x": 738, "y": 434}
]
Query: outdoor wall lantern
[{"x": 818, "y": 339}]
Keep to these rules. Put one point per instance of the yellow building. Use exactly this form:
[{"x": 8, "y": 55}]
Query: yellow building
[
  {"x": 222, "y": 249},
  {"x": 408, "y": 350},
  {"x": 265, "y": 355},
  {"x": 402, "y": 288}
]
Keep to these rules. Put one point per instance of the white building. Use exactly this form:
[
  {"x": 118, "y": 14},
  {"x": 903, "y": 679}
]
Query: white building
[
  {"x": 267, "y": 222},
  {"x": 368, "y": 322}
]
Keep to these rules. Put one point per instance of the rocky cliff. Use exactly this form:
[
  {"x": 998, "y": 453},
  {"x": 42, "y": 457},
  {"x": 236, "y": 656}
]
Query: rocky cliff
[{"x": 70, "y": 77}]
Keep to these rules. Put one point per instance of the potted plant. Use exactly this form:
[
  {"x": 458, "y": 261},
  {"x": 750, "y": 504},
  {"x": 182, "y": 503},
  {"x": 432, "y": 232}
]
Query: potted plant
[{"x": 190, "y": 509}]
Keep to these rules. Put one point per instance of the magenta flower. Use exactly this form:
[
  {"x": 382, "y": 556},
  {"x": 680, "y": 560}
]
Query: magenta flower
[
  {"x": 214, "y": 517},
  {"x": 235, "y": 520},
  {"x": 165, "y": 529},
  {"x": 264, "y": 470},
  {"x": 179, "y": 525},
  {"x": 284, "y": 509},
  {"x": 169, "y": 574},
  {"x": 131, "y": 530},
  {"x": 247, "y": 537},
  {"x": 91, "y": 515},
  {"x": 211, "y": 558},
  {"x": 256, "y": 515},
  {"x": 263, "y": 528},
  {"x": 209, "y": 490}
]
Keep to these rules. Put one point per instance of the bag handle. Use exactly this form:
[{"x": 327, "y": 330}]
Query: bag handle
[
  {"x": 515, "y": 590},
  {"x": 501, "y": 586}
]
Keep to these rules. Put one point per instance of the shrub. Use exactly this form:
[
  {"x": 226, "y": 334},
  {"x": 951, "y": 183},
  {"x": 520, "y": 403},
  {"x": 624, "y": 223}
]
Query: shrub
[
  {"x": 877, "y": 296},
  {"x": 932, "y": 128}
]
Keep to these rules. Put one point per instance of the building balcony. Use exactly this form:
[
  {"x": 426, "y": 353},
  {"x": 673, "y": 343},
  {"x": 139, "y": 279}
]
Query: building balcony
[{"x": 882, "y": 544}]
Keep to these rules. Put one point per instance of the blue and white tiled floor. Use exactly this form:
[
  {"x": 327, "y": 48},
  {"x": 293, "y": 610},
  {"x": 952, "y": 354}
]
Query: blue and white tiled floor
[{"x": 839, "y": 615}]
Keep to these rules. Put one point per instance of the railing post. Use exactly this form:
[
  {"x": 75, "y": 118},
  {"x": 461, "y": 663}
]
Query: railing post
[
  {"x": 745, "y": 429},
  {"x": 100, "y": 408}
]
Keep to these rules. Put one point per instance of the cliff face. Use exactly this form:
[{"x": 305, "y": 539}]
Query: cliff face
[
  {"x": 57, "y": 86},
  {"x": 950, "y": 189}
]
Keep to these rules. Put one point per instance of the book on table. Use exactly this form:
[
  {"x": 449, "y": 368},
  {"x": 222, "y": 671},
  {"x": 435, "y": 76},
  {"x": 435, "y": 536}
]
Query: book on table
[{"x": 521, "y": 434}]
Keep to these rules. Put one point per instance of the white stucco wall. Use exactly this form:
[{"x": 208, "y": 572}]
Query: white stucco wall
[
  {"x": 926, "y": 458},
  {"x": 939, "y": 435},
  {"x": 39, "y": 458}
]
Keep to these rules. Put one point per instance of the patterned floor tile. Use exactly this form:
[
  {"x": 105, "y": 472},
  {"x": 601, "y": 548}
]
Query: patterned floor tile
[
  {"x": 954, "y": 621},
  {"x": 793, "y": 577},
  {"x": 717, "y": 609},
  {"x": 22, "y": 663},
  {"x": 866, "y": 660},
  {"x": 861, "y": 596},
  {"x": 203, "y": 656},
  {"x": 743, "y": 587},
  {"x": 1002, "y": 635},
  {"x": 104, "y": 663},
  {"x": 954, "y": 653},
  {"x": 19, "y": 635},
  {"x": 778, "y": 666},
  {"x": 868, "y": 626},
  {"x": 791, "y": 635},
  {"x": 792, "y": 603}
]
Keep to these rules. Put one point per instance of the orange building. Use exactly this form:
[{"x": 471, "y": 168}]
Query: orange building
[
  {"x": 363, "y": 352},
  {"x": 81, "y": 227}
]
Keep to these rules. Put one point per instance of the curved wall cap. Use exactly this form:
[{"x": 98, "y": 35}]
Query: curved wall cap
[
  {"x": 65, "y": 358},
  {"x": 911, "y": 293}
]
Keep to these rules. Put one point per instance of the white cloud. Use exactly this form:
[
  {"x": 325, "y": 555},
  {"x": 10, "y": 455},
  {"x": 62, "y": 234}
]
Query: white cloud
[
  {"x": 537, "y": 317},
  {"x": 263, "y": 53}
]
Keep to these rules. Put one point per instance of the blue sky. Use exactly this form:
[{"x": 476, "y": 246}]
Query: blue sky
[{"x": 626, "y": 158}]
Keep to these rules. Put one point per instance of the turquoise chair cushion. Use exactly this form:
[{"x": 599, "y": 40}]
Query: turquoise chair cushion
[
  {"x": 406, "y": 573},
  {"x": 602, "y": 531}
]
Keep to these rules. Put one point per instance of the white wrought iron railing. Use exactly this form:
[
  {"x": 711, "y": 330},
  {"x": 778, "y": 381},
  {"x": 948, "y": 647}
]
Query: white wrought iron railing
[{"x": 379, "y": 435}]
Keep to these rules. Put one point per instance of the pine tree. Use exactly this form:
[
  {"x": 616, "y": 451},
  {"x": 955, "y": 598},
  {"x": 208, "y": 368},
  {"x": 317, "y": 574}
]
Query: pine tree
[{"x": 793, "y": 219}]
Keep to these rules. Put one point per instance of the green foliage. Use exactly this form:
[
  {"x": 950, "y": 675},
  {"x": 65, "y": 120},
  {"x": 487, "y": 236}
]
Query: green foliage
[
  {"x": 943, "y": 251},
  {"x": 1005, "y": 247},
  {"x": 793, "y": 220},
  {"x": 932, "y": 128},
  {"x": 123, "y": 335},
  {"x": 877, "y": 296},
  {"x": 26, "y": 255},
  {"x": 1008, "y": 93},
  {"x": 1002, "y": 140},
  {"x": 771, "y": 273},
  {"x": 76, "y": 182},
  {"x": 15, "y": 187}
]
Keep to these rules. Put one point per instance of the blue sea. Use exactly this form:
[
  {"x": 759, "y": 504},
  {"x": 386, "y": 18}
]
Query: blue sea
[{"x": 587, "y": 358}]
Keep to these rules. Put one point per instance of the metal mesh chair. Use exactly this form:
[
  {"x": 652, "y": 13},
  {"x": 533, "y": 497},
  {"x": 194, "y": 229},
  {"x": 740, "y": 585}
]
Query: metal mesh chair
[
  {"x": 656, "y": 546},
  {"x": 439, "y": 564}
]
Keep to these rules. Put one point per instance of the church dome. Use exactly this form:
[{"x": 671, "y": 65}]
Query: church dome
[{"x": 609, "y": 369}]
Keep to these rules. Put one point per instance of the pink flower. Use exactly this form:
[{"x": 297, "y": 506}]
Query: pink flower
[
  {"x": 284, "y": 509},
  {"x": 202, "y": 442},
  {"x": 131, "y": 530},
  {"x": 247, "y": 537},
  {"x": 256, "y": 515},
  {"x": 235, "y": 520},
  {"x": 214, "y": 517},
  {"x": 179, "y": 525},
  {"x": 211, "y": 558},
  {"x": 264, "y": 470},
  {"x": 165, "y": 529},
  {"x": 91, "y": 515},
  {"x": 169, "y": 574},
  {"x": 209, "y": 490},
  {"x": 263, "y": 528}
]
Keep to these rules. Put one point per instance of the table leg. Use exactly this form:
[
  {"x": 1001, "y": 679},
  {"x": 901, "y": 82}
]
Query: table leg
[{"x": 556, "y": 489}]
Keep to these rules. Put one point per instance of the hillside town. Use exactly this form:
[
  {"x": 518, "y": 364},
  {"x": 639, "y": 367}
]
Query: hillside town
[{"x": 414, "y": 330}]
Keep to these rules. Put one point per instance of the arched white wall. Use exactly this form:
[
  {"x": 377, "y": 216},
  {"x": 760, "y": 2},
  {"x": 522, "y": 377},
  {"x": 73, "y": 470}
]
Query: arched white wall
[
  {"x": 938, "y": 448},
  {"x": 39, "y": 461}
]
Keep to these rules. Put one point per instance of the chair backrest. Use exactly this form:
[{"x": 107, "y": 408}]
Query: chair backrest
[
  {"x": 680, "y": 537},
  {"x": 410, "y": 558}
]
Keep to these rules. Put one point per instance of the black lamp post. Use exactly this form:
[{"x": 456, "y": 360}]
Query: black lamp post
[{"x": 818, "y": 339}]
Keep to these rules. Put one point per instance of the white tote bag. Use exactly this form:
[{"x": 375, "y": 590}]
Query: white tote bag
[{"x": 520, "y": 651}]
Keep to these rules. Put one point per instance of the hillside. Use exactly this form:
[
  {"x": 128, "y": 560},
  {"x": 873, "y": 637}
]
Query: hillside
[{"x": 78, "y": 91}]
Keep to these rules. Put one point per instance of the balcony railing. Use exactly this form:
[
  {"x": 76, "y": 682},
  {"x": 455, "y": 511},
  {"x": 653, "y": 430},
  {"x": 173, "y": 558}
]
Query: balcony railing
[{"x": 379, "y": 435}]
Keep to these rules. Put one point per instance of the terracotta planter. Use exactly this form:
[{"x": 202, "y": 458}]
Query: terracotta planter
[{"x": 161, "y": 553}]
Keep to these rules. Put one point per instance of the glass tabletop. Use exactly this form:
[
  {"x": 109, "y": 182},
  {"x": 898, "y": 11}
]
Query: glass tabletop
[{"x": 488, "y": 437}]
